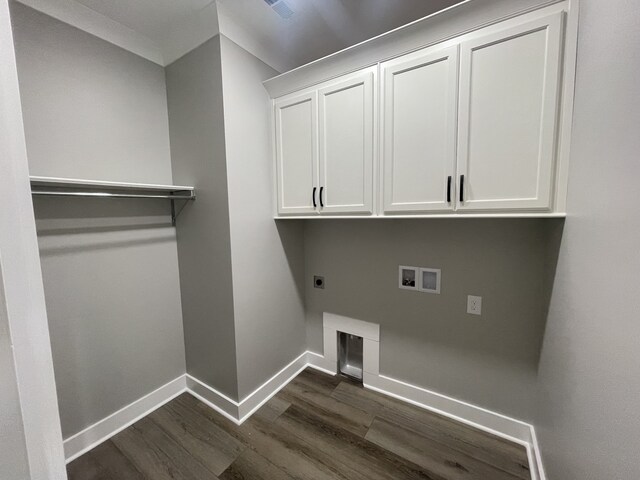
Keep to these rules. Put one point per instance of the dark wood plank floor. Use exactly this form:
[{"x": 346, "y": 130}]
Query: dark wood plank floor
[{"x": 317, "y": 428}]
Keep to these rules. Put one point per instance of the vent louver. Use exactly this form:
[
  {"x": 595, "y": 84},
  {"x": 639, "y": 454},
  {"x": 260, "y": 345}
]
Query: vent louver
[{"x": 280, "y": 7}]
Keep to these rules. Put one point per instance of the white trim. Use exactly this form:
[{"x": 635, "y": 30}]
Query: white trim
[
  {"x": 457, "y": 20},
  {"x": 481, "y": 418},
  {"x": 268, "y": 389},
  {"x": 24, "y": 315},
  {"x": 434, "y": 216},
  {"x": 535, "y": 463},
  {"x": 352, "y": 326},
  {"x": 492, "y": 422},
  {"x": 99, "y": 432},
  {"x": 77, "y": 182},
  {"x": 222, "y": 404},
  {"x": 322, "y": 363},
  {"x": 370, "y": 333},
  {"x": 238, "y": 412}
]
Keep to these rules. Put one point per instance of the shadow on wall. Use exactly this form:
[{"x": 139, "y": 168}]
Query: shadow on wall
[
  {"x": 59, "y": 215},
  {"x": 291, "y": 236},
  {"x": 429, "y": 339},
  {"x": 110, "y": 272}
]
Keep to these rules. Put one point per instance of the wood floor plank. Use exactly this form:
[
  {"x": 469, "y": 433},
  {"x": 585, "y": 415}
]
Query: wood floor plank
[
  {"x": 432, "y": 455},
  {"x": 105, "y": 462},
  {"x": 320, "y": 379},
  {"x": 157, "y": 455},
  {"x": 285, "y": 451},
  {"x": 319, "y": 427},
  {"x": 271, "y": 410},
  {"x": 348, "y": 453},
  {"x": 483, "y": 446},
  {"x": 252, "y": 466},
  {"x": 332, "y": 411},
  {"x": 212, "y": 447}
]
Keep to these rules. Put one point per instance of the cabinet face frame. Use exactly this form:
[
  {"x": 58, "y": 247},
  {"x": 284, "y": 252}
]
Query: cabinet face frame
[
  {"x": 552, "y": 24},
  {"x": 367, "y": 79},
  {"x": 279, "y": 106},
  {"x": 302, "y": 82},
  {"x": 448, "y": 53}
]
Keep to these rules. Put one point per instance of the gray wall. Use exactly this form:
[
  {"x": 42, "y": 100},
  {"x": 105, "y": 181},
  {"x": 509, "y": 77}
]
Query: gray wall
[
  {"x": 429, "y": 340},
  {"x": 194, "y": 89},
  {"x": 267, "y": 256},
  {"x": 91, "y": 109},
  {"x": 588, "y": 420},
  {"x": 110, "y": 268},
  {"x": 240, "y": 274}
]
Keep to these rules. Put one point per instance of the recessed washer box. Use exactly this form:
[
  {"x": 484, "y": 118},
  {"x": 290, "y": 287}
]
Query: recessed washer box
[{"x": 408, "y": 277}]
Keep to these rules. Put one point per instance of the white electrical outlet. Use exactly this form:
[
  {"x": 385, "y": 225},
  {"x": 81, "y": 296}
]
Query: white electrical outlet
[{"x": 474, "y": 305}]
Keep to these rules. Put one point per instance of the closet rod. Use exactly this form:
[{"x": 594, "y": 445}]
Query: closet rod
[{"x": 104, "y": 194}]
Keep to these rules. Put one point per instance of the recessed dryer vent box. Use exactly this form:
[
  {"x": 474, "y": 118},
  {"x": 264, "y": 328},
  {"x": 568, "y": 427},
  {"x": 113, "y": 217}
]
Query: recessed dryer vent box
[{"x": 350, "y": 349}]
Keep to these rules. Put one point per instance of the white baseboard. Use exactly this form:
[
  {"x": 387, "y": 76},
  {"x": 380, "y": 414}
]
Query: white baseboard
[
  {"x": 319, "y": 362},
  {"x": 535, "y": 457},
  {"x": 222, "y": 404},
  {"x": 478, "y": 417},
  {"x": 106, "y": 428},
  {"x": 491, "y": 422},
  {"x": 237, "y": 412},
  {"x": 268, "y": 389}
]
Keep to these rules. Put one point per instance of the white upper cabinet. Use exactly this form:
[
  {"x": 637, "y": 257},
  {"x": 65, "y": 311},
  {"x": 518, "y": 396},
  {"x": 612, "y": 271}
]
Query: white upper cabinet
[
  {"x": 346, "y": 137},
  {"x": 508, "y": 114},
  {"x": 476, "y": 125},
  {"x": 419, "y": 130},
  {"x": 296, "y": 120}
]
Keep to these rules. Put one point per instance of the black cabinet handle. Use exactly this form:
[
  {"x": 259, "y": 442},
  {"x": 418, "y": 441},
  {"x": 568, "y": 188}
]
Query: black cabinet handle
[
  {"x": 461, "y": 188},
  {"x": 449, "y": 189},
  {"x": 314, "y": 197},
  {"x": 321, "y": 189}
]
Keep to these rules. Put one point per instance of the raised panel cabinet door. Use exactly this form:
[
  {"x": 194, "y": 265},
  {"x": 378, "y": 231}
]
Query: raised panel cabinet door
[
  {"x": 296, "y": 154},
  {"x": 346, "y": 137},
  {"x": 419, "y": 130},
  {"x": 509, "y": 87}
]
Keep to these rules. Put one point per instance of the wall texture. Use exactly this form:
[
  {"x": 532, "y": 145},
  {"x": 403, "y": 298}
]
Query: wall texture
[
  {"x": 267, "y": 256},
  {"x": 110, "y": 268},
  {"x": 429, "y": 340},
  {"x": 588, "y": 419},
  {"x": 194, "y": 89}
]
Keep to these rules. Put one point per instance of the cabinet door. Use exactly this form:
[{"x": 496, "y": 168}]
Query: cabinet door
[
  {"x": 346, "y": 135},
  {"x": 296, "y": 123},
  {"x": 509, "y": 83},
  {"x": 419, "y": 130}
]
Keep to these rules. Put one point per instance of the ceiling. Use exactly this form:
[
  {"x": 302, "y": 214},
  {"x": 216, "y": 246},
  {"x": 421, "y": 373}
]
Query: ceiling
[
  {"x": 164, "y": 30},
  {"x": 321, "y": 27},
  {"x": 151, "y": 18}
]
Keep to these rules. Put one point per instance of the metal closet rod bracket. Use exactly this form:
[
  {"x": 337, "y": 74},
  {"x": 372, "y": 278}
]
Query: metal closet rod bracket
[
  {"x": 65, "y": 187},
  {"x": 174, "y": 214}
]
